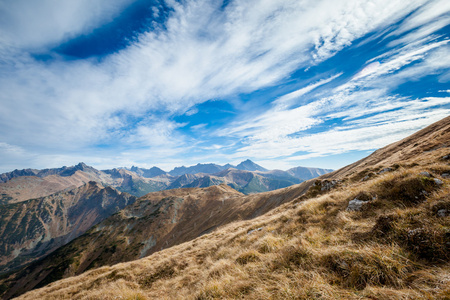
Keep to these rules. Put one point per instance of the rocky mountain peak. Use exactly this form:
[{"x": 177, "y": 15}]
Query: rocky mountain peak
[{"x": 81, "y": 166}]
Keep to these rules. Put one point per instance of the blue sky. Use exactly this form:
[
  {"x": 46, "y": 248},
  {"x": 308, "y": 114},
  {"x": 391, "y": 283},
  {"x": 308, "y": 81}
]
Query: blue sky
[{"x": 319, "y": 83}]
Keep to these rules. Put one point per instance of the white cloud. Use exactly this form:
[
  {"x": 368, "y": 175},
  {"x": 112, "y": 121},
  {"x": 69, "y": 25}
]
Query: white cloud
[
  {"x": 341, "y": 140},
  {"x": 286, "y": 100},
  {"x": 433, "y": 13},
  {"x": 11, "y": 149},
  {"x": 159, "y": 133},
  {"x": 36, "y": 24},
  {"x": 404, "y": 57}
]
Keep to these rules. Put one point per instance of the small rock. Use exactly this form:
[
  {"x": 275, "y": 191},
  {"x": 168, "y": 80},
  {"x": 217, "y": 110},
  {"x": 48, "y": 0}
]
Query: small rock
[
  {"x": 253, "y": 230},
  {"x": 414, "y": 232},
  {"x": 438, "y": 181},
  {"x": 385, "y": 170},
  {"x": 442, "y": 213},
  {"x": 328, "y": 185},
  {"x": 445, "y": 175},
  {"x": 446, "y": 157},
  {"x": 365, "y": 178},
  {"x": 355, "y": 204},
  {"x": 425, "y": 173}
]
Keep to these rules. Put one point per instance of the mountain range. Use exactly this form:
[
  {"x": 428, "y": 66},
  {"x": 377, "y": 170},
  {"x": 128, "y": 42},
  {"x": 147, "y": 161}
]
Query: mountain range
[
  {"x": 247, "y": 177},
  {"x": 377, "y": 228}
]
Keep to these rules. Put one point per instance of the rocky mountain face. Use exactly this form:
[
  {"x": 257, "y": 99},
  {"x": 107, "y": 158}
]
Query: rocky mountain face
[{"x": 33, "y": 228}]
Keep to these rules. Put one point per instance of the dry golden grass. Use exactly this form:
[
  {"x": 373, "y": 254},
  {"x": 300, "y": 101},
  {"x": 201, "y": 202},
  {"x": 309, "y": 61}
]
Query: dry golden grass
[{"x": 395, "y": 248}]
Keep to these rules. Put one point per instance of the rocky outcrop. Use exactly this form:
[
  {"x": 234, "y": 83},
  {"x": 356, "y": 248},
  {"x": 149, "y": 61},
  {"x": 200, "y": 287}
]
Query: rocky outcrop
[{"x": 355, "y": 204}]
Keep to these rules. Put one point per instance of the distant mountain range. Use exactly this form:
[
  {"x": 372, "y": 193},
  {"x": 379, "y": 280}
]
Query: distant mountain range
[{"x": 247, "y": 177}]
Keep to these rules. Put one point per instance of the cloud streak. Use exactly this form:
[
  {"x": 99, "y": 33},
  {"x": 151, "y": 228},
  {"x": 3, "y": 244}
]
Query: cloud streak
[{"x": 368, "y": 114}]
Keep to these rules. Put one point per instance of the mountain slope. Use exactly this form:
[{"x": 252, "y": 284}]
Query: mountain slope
[
  {"x": 427, "y": 140},
  {"x": 381, "y": 237},
  {"x": 34, "y": 228},
  {"x": 23, "y": 188},
  {"x": 156, "y": 221}
]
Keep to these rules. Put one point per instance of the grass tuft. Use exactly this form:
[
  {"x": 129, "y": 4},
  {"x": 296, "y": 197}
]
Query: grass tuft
[{"x": 248, "y": 257}]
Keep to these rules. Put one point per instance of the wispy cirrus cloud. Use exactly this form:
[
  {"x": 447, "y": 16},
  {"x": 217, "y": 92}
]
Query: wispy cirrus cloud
[{"x": 367, "y": 115}]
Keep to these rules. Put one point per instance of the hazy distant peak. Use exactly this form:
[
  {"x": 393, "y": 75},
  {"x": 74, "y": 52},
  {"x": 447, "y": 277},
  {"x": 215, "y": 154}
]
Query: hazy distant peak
[
  {"x": 148, "y": 173},
  {"x": 209, "y": 168},
  {"x": 248, "y": 165},
  {"x": 307, "y": 173}
]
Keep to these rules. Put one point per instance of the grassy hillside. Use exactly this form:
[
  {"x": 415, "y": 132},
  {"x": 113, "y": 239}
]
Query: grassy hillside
[{"x": 378, "y": 229}]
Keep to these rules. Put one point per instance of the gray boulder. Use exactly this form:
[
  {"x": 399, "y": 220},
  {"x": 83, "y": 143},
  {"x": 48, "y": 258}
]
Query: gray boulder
[
  {"x": 438, "y": 181},
  {"x": 355, "y": 204},
  {"x": 442, "y": 213}
]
